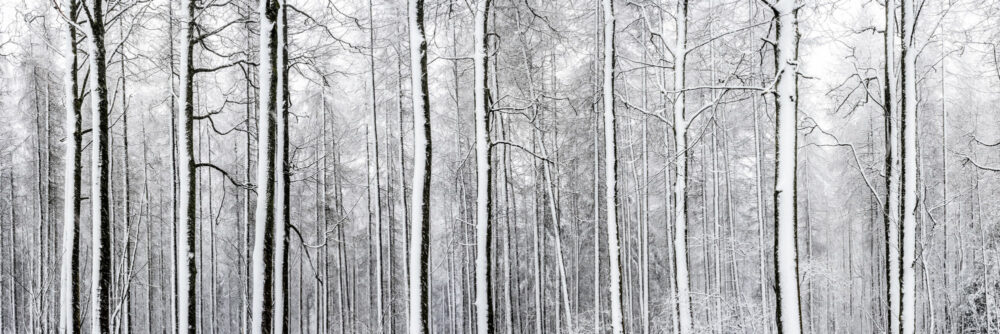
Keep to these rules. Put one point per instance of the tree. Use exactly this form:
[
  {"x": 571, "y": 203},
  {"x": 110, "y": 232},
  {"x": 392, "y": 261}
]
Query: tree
[
  {"x": 69, "y": 290},
  {"x": 376, "y": 212},
  {"x": 100, "y": 298},
  {"x": 484, "y": 191},
  {"x": 892, "y": 179},
  {"x": 262, "y": 309},
  {"x": 125, "y": 274},
  {"x": 419, "y": 256},
  {"x": 611, "y": 168},
  {"x": 786, "y": 99},
  {"x": 678, "y": 105},
  {"x": 681, "y": 154},
  {"x": 282, "y": 178},
  {"x": 908, "y": 153},
  {"x": 187, "y": 269}
]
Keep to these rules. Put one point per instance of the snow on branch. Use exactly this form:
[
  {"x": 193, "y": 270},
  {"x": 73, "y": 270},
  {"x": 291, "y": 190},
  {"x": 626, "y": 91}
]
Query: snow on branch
[{"x": 244, "y": 185}]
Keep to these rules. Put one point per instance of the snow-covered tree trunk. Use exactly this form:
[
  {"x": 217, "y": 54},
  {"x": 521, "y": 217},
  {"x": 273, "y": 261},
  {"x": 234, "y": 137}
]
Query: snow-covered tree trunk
[
  {"x": 281, "y": 177},
  {"x": 69, "y": 287},
  {"x": 681, "y": 275},
  {"x": 186, "y": 224},
  {"x": 262, "y": 309},
  {"x": 786, "y": 99},
  {"x": 611, "y": 169},
  {"x": 100, "y": 176},
  {"x": 484, "y": 263},
  {"x": 419, "y": 321},
  {"x": 908, "y": 154},
  {"x": 892, "y": 175}
]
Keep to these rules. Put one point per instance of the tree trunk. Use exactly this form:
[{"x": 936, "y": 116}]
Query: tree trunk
[
  {"x": 149, "y": 235},
  {"x": 892, "y": 181},
  {"x": 786, "y": 261},
  {"x": 282, "y": 178},
  {"x": 484, "y": 261},
  {"x": 186, "y": 225},
  {"x": 264, "y": 235},
  {"x": 69, "y": 317},
  {"x": 908, "y": 154},
  {"x": 419, "y": 320},
  {"x": 611, "y": 169},
  {"x": 100, "y": 178},
  {"x": 174, "y": 186},
  {"x": 125, "y": 306},
  {"x": 13, "y": 250},
  {"x": 380, "y": 318},
  {"x": 681, "y": 276}
]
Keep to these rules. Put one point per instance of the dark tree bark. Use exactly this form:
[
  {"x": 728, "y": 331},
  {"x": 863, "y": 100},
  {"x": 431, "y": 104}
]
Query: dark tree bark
[
  {"x": 419, "y": 256},
  {"x": 100, "y": 177},
  {"x": 70, "y": 316},
  {"x": 263, "y": 253}
]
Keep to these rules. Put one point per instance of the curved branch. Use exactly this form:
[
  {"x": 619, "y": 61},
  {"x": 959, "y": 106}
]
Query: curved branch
[
  {"x": 985, "y": 144},
  {"x": 220, "y": 67},
  {"x": 526, "y": 150},
  {"x": 244, "y": 185},
  {"x": 306, "y": 250},
  {"x": 968, "y": 160}
]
